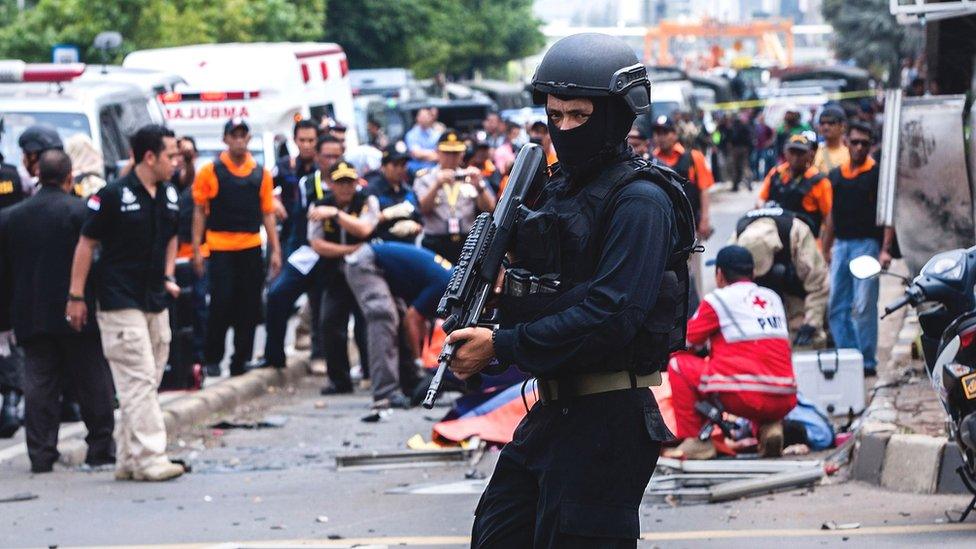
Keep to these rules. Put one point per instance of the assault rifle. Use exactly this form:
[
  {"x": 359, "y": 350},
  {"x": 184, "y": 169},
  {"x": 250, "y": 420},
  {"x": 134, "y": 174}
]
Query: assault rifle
[{"x": 463, "y": 304}]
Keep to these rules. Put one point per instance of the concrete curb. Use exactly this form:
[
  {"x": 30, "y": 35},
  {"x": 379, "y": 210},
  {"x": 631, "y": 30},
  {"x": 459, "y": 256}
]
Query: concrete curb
[
  {"x": 196, "y": 407},
  {"x": 898, "y": 461}
]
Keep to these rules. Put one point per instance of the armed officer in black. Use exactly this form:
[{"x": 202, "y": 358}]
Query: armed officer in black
[{"x": 617, "y": 232}]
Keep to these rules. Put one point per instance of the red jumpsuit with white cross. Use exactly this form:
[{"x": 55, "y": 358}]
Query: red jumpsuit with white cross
[{"x": 750, "y": 367}]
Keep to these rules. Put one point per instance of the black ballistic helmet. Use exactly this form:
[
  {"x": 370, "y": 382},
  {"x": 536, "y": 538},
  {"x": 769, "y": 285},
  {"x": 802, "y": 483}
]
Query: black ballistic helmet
[{"x": 593, "y": 65}]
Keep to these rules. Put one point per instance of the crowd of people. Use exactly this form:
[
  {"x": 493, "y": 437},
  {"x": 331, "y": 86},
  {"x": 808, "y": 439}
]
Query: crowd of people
[
  {"x": 94, "y": 306},
  {"x": 240, "y": 243}
]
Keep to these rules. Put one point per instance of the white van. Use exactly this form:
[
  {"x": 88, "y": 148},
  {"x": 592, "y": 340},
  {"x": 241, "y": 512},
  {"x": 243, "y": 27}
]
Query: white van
[
  {"x": 39, "y": 93},
  {"x": 270, "y": 84}
]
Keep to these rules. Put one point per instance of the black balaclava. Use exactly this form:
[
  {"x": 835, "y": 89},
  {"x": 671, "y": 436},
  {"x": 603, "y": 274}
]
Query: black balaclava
[{"x": 594, "y": 143}]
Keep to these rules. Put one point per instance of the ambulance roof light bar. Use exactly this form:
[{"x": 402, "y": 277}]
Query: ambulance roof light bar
[
  {"x": 177, "y": 97},
  {"x": 15, "y": 71}
]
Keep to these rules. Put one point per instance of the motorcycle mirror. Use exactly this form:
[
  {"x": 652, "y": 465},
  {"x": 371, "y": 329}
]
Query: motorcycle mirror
[{"x": 865, "y": 267}]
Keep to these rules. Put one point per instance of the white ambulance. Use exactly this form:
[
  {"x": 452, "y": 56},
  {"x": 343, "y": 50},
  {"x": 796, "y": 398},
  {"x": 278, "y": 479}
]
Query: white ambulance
[
  {"x": 271, "y": 85},
  {"x": 108, "y": 112}
]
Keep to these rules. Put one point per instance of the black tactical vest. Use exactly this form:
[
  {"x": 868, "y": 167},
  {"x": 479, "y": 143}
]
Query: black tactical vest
[
  {"x": 237, "y": 206},
  {"x": 790, "y": 196},
  {"x": 563, "y": 236},
  {"x": 781, "y": 277}
]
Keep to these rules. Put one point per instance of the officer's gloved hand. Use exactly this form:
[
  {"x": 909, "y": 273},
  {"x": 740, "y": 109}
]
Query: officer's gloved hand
[
  {"x": 6, "y": 341},
  {"x": 405, "y": 228},
  {"x": 402, "y": 210},
  {"x": 804, "y": 335}
]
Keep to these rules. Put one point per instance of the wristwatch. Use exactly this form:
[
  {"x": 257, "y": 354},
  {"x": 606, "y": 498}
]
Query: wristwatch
[
  {"x": 75, "y": 297},
  {"x": 170, "y": 278}
]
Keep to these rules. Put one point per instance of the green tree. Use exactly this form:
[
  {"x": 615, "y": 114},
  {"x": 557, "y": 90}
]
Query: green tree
[
  {"x": 30, "y": 34},
  {"x": 456, "y": 37},
  {"x": 866, "y": 32}
]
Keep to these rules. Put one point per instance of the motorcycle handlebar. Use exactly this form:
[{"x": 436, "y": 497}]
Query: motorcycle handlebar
[{"x": 897, "y": 304}]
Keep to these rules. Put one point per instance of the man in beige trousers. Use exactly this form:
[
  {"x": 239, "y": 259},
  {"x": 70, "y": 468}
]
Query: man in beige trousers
[{"x": 134, "y": 220}]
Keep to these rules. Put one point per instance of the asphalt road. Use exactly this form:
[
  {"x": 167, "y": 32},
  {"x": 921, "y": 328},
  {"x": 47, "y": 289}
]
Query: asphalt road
[{"x": 278, "y": 486}]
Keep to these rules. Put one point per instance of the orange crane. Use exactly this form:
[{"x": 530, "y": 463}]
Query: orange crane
[{"x": 764, "y": 31}]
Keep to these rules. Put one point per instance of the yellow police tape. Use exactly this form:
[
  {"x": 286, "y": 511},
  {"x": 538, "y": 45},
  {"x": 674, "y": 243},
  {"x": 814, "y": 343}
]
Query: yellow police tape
[{"x": 753, "y": 103}]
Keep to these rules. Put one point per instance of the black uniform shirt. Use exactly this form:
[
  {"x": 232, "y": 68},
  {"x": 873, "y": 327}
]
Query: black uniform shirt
[
  {"x": 134, "y": 229},
  {"x": 639, "y": 237},
  {"x": 37, "y": 243}
]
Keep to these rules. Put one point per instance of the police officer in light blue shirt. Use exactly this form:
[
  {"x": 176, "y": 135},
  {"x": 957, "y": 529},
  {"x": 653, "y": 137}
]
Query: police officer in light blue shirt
[{"x": 421, "y": 142}]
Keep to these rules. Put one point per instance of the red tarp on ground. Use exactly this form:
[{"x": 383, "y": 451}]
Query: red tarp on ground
[{"x": 498, "y": 425}]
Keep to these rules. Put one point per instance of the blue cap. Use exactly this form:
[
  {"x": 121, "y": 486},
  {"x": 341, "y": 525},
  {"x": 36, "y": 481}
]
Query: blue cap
[{"x": 733, "y": 258}]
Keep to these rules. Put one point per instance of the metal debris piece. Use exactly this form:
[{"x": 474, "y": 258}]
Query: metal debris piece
[
  {"x": 270, "y": 422},
  {"x": 831, "y": 525},
  {"x": 737, "y": 465},
  {"x": 740, "y": 488},
  {"x": 21, "y": 496},
  {"x": 403, "y": 459}
]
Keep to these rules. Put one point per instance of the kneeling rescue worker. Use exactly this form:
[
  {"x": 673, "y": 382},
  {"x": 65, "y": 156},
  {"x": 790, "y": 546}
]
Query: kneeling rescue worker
[
  {"x": 617, "y": 232},
  {"x": 750, "y": 368}
]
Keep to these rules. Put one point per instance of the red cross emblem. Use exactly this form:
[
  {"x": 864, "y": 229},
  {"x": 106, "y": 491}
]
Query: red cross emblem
[{"x": 759, "y": 302}]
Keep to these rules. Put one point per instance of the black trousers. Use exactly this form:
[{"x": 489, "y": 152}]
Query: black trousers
[
  {"x": 338, "y": 303},
  {"x": 573, "y": 475},
  {"x": 236, "y": 283},
  {"x": 446, "y": 246},
  {"x": 52, "y": 360}
]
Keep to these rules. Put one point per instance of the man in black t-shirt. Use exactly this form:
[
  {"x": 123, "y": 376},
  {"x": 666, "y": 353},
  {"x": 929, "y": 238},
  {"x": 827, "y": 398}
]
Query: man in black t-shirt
[
  {"x": 37, "y": 238},
  {"x": 135, "y": 221},
  {"x": 850, "y": 230}
]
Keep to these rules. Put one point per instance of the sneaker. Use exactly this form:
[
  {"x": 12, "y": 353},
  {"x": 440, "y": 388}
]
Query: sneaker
[
  {"x": 212, "y": 370},
  {"x": 771, "y": 439},
  {"x": 692, "y": 448},
  {"x": 159, "y": 472},
  {"x": 316, "y": 366}
]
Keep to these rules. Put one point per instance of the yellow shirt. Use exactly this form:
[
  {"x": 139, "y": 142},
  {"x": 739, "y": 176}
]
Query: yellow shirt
[{"x": 827, "y": 159}]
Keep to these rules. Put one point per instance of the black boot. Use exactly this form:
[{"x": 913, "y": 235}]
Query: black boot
[{"x": 9, "y": 414}]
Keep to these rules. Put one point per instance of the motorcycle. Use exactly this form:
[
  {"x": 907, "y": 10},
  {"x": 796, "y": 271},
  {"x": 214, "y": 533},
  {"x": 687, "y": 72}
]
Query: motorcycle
[{"x": 943, "y": 296}]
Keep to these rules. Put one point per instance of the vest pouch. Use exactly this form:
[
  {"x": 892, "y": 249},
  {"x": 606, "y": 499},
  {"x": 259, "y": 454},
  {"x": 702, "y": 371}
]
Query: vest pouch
[
  {"x": 663, "y": 331},
  {"x": 515, "y": 310},
  {"x": 537, "y": 246}
]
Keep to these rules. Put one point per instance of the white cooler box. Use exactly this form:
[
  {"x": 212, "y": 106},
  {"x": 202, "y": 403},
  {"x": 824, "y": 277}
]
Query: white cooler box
[{"x": 832, "y": 378}]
